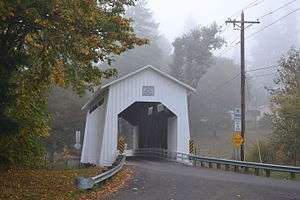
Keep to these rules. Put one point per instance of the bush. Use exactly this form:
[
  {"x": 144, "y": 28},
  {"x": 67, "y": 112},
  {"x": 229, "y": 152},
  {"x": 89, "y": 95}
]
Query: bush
[
  {"x": 18, "y": 151},
  {"x": 262, "y": 151}
]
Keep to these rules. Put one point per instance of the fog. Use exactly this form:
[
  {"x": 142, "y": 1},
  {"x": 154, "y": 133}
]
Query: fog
[
  {"x": 202, "y": 60},
  {"x": 176, "y": 17},
  {"x": 173, "y": 15}
]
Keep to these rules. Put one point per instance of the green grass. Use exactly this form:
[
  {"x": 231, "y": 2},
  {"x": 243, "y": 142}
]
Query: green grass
[{"x": 219, "y": 144}]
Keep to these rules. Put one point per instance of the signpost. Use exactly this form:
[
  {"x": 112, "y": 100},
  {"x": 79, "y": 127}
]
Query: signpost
[
  {"x": 77, "y": 137},
  {"x": 237, "y": 138}
]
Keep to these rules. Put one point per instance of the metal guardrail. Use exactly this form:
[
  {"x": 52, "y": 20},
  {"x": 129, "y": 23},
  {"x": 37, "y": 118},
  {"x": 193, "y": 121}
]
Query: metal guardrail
[
  {"x": 219, "y": 162},
  {"x": 90, "y": 182}
]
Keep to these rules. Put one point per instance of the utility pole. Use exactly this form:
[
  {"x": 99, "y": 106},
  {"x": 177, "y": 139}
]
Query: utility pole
[{"x": 241, "y": 25}]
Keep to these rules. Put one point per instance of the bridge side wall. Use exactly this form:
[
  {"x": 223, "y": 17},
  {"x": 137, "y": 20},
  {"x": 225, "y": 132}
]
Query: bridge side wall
[{"x": 93, "y": 135}]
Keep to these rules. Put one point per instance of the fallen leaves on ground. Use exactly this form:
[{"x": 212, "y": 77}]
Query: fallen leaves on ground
[
  {"x": 111, "y": 186},
  {"x": 45, "y": 184}
]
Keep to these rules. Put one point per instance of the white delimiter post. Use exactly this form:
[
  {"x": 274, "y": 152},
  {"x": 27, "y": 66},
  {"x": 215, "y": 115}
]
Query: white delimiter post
[{"x": 136, "y": 137}]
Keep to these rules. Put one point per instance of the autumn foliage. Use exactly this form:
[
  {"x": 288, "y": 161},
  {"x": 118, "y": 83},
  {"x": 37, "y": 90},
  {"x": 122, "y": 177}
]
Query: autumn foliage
[{"x": 53, "y": 42}]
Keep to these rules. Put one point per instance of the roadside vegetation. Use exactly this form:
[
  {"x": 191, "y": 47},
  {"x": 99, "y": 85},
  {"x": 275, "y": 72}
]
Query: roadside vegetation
[
  {"x": 282, "y": 145},
  {"x": 43, "y": 184},
  {"x": 46, "y": 44},
  {"x": 53, "y": 47}
]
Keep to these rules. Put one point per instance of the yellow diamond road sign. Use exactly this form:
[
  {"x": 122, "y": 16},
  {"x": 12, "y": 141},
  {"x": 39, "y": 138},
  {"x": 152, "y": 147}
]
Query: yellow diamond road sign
[{"x": 237, "y": 139}]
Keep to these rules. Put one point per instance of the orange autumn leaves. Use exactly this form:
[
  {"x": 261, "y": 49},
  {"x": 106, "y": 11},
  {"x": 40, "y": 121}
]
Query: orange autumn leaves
[
  {"x": 58, "y": 74},
  {"x": 54, "y": 42},
  {"x": 56, "y": 184},
  {"x": 68, "y": 36}
]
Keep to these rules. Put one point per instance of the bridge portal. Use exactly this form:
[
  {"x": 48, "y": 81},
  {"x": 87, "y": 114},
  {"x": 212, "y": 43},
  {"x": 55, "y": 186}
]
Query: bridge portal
[
  {"x": 148, "y": 125},
  {"x": 150, "y": 102}
]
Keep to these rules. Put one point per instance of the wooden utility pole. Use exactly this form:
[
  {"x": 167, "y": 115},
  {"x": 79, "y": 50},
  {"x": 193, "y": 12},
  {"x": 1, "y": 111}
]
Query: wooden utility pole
[{"x": 241, "y": 25}]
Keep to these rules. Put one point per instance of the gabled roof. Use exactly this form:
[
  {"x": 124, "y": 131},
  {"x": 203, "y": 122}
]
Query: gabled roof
[{"x": 106, "y": 86}]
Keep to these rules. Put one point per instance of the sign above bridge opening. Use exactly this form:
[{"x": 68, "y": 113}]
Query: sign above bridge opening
[{"x": 148, "y": 91}]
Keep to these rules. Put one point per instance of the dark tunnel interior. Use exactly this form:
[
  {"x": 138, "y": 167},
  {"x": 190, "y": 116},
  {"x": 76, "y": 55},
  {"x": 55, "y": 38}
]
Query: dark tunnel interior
[{"x": 152, "y": 121}]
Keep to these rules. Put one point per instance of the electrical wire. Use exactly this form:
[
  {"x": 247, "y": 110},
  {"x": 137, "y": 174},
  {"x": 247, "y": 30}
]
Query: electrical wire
[
  {"x": 227, "y": 50},
  {"x": 261, "y": 75},
  {"x": 258, "y": 69},
  {"x": 277, "y": 9},
  {"x": 260, "y": 30},
  {"x": 276, "y": 21},
  {"x": 225, "y": 83},
  {"x": 250, "y": 5}
]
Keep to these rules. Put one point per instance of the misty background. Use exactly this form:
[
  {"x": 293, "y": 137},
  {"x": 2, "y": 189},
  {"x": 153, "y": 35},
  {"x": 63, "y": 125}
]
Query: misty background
[{"x": 169, "y": 23}]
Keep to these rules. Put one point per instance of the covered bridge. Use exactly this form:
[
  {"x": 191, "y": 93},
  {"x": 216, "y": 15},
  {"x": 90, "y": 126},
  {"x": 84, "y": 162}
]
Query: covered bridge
[{"x": 148, "y": 107}]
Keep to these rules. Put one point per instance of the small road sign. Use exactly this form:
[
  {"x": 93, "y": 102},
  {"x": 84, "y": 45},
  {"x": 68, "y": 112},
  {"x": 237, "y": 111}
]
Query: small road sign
[
  {"x": 192, "y": 148},
  {"x": 77, "y": 137},
  {"x": 237, "y": 139},
  {"x": 121, "y": 144},
  {"x": 237, "y": 120}
]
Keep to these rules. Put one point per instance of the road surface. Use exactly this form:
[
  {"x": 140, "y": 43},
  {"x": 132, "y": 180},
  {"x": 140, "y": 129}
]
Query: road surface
[{"x": 161, "y": 180}]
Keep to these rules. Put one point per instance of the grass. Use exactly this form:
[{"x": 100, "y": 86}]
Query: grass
[
  {"x": 219, "y": 144},
  {"x": 284, "y": 175},
  {"x": 46, "y": 184}
]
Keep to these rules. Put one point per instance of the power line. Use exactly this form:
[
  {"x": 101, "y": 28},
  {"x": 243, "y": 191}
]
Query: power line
[
  {"x": 228, "y": 81},
  {"x": 261, "y": 75},
  {"x": 252, "y": 70},
  {"x": 250, "y": 5},
  {"x": 224, "y": 84},
  {"x": 253, "y": 34},
  {"x": 265, "y": 27},
  {"x": 235, "y": 42},
  {"x": 273, "y": 11},
  {"x": 226, "y": 51}
]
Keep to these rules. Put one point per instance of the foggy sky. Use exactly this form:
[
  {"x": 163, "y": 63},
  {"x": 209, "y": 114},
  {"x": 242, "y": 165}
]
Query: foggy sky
[
  {"x": 176, "y": 17},
  {"x": 173, "y": 15}
]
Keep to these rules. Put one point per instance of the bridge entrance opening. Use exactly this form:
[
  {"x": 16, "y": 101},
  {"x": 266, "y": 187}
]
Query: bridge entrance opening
[{"x": 148, "y": 125}]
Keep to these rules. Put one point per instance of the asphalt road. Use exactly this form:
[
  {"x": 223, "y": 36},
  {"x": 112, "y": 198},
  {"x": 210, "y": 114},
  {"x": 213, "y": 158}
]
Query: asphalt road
[{"x": 162, "y": 180}]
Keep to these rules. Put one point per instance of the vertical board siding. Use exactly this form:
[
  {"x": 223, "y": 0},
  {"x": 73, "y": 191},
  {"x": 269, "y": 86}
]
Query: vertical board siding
[
  {"x": 128, "y": 91},
  {"x": 93, "y": 134}
]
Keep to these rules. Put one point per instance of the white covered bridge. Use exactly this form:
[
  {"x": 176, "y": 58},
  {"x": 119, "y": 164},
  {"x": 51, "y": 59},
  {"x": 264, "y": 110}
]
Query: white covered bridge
[{"x": 148, "y": 107}]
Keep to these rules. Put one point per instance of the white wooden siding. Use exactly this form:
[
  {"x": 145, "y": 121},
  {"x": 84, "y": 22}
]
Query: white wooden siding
[{"x": 128, "y": 91}]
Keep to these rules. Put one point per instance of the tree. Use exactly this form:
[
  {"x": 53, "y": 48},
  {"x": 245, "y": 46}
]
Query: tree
[
  {"x": 193, "y": 53},
  {"x": 286, "y": 108},
  {"x": 66, "y": 118},
  {"x": 215, "y": 96},
  {"x": 155, "y": 53},
  {"x": 54, "y": 42}
]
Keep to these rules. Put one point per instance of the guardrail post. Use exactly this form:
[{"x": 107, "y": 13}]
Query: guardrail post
[
  {"x": 246, "y": 169},
  {"x": 202, "y": 164},
  {"x": 293, "y": 175},
  {"x": 268, "y": 173},
  {"x": 218, "y": 166},
  {"x": 236, "y": 168},
  {"x": 256, "y": 172},
  {"x": 227, "y": 167},
  {"x": 210, "y": 165}
]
